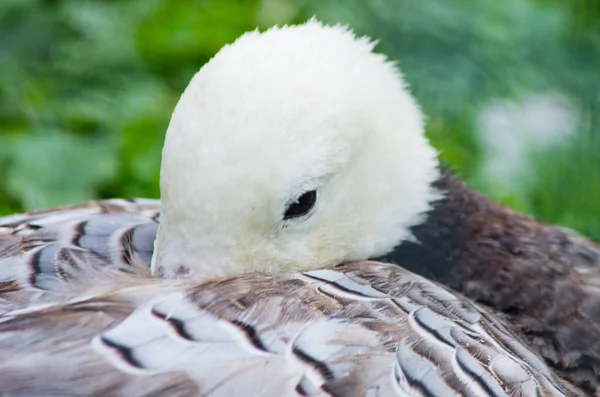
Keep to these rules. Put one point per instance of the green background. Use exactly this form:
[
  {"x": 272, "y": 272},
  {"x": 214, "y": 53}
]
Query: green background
[{"x": 87, "y": 89}]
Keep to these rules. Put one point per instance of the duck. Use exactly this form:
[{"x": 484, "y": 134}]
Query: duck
[{"x": 294, "y": 157}]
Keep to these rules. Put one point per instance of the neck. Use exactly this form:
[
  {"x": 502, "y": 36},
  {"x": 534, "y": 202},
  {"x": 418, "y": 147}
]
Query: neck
[
  {"x": 532, "y": 272},
  {"x": 452, "y": 227}
]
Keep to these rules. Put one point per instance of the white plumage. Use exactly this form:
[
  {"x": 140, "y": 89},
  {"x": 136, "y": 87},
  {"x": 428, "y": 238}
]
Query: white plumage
[{"x": 277, "y": 114}]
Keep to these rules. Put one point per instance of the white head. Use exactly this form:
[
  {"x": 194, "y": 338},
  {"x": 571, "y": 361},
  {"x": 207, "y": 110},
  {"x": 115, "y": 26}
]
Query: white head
[{"x": 270, "y": 119}]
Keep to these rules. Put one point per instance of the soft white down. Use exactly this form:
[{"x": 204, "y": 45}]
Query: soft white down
[{"x": 277, "y": 114}]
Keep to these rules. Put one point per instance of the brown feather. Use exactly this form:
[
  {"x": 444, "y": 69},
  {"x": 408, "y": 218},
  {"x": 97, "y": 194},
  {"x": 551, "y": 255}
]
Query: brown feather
[
  {"x": 543, "y": 279},
  {"x": 352, "y": 334}
]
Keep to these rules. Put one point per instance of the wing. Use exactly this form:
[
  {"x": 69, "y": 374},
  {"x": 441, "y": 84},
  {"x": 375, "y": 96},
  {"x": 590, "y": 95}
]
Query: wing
[
  {"x": 362, "y": 329},
  {"x": 545, "y": 279},
  {"x": 39, "y": 248}
]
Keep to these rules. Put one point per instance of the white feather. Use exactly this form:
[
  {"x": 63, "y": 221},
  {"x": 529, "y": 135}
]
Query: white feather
[{"x": 276, "y": 114}]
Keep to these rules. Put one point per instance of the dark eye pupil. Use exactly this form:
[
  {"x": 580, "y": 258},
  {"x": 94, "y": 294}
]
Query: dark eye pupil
[{"x": 301, "y": 206}]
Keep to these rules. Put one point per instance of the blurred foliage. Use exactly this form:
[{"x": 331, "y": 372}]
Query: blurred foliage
[{"x": 88, "y": 87}]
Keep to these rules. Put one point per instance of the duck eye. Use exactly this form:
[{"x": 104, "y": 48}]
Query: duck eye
[{"x": 301, "y": 206}]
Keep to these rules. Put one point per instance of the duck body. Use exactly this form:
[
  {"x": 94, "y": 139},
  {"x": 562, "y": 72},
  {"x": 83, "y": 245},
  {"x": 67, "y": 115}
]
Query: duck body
[
  {"x": 73, "y": 325},
  {"x": 103, "y": 249},
  {"x": 540, "y": 278},
  {"x": 543, "y": 279}
]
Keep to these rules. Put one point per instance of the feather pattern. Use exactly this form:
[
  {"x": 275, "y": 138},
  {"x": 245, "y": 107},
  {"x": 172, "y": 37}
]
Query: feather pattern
[
  {"x": 543, "y": 278},
  {"x": 89, "y": 319},
  {"x": 40, "y": 247}
]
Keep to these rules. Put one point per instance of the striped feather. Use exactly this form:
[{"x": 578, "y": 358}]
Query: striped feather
[
  {"x": 280, "y": 335},
  {"x": 39, "y": 248},
  {"x": 82, "y": 315}
]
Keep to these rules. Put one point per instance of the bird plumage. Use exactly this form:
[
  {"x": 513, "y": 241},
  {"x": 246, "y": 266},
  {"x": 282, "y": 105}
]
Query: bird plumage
[
  {"x": 364, "y": 328},
  {"x": 277, "y": 114},
  {"x": 91, "y": 315},
  {"x": 543, "y": 278}
]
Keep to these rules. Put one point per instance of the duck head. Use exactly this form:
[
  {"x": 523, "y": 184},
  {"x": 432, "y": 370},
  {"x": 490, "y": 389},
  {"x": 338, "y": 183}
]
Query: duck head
[{"x": 292, "y": 149}]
